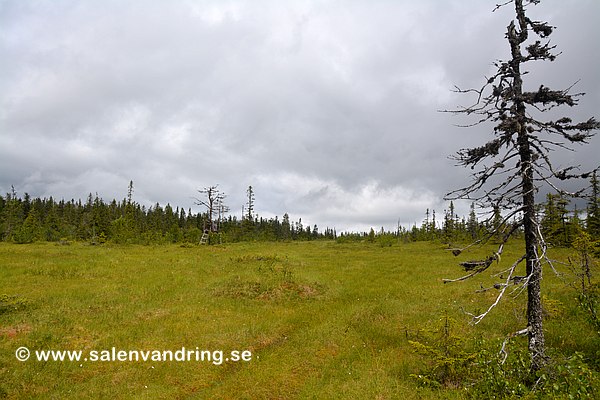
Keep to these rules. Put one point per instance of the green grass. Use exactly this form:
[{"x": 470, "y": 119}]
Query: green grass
[{"x": 323, "y": 320}]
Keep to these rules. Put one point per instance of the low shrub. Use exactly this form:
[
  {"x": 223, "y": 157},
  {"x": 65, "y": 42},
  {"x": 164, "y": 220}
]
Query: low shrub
[{"x": 10, "y": 303}]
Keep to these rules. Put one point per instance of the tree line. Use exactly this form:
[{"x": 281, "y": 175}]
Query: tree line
[
  {"x": 561, "y": 222},
  {"x": 26, "y": 219}
]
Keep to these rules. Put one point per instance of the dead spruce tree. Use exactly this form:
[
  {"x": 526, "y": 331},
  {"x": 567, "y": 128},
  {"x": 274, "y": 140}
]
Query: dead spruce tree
[
  {"x": 215, "y": 207},
  {"x": 511, "y": 168}
]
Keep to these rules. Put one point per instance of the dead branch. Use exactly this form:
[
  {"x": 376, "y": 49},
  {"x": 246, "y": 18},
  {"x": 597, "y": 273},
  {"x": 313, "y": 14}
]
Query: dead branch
[
  {"x": 477, "y": 319},
  {"x": 479, "y": 266},
  {"x": 503, "y": 351},
  {"x": 463, "y": 278},
  {"x": 495, "y": 286}
]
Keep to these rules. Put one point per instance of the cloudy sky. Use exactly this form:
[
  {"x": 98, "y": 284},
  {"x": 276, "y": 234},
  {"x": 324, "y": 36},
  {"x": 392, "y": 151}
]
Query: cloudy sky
[{"x": 327, "y": 108}]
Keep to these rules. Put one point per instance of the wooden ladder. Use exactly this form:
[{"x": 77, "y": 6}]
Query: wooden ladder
[{"x": 204, "y": 239}]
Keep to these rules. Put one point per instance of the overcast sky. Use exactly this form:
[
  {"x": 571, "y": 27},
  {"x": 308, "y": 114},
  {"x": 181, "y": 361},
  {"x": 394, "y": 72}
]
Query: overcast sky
[{"x": 327, "y": 108}]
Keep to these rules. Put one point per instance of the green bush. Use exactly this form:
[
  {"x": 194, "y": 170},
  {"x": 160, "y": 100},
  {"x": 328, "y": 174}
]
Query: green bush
[
  {"x": 563, "y": 377},
  {"x": 499, "y": 379},
  {"x": 484, "y": 373},
  {"x": 569, "y": 378},
  {"x": 589, "y": 301},
  {"x": 267, "y": 277},
  {"x": 10, "y": 303},
  {"x": 386, "y": 240},
  {"x": 448, "y": 363}
]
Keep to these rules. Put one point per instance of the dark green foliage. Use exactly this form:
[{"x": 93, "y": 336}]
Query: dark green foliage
[
  {"x": 448, "y": 363},
  {"x": 51, "y": 226},
  {"x": 31, "y": 230},
  {"x": 127, "y": 222},
  {"x": 26, "y": 220},
  {"x": 350, "y": 238},
  {"x": 473, "y": 227},
  {"x": 12, "y": 215},
  {"x": 96, "y": 221},
  {"x": 371, "y": 237},
  {"x": 557, "y": 226},
  {"x": 121, "y": 230},
  {"x": 593, "y": 211},
  {"x": 451, "y": 225}
]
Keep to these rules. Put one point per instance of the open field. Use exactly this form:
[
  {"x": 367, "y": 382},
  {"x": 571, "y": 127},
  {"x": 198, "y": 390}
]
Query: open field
[{"x": 321, "y": 319}]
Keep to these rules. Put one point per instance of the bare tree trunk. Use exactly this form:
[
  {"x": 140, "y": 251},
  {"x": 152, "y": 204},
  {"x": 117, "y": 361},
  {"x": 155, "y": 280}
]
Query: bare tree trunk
[{"x": 533, "y": 264}]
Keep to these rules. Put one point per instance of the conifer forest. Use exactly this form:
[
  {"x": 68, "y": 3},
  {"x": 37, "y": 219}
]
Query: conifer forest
[
  {"x": 25, "y": 220},
  {"x": 299, "y": 199}
]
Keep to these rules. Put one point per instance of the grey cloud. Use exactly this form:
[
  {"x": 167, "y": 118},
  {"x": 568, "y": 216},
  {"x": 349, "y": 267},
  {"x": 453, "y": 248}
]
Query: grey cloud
[{"x": 325, "y": 107}]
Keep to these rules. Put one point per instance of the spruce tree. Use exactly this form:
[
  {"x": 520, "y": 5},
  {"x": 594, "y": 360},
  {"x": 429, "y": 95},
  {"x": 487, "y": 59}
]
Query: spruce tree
[
  {"x": 250, "y": 204},
  {"x": 473, "y": 224},
  {"x": 286, "y": 227},
  {"x": 550, "y": 221},
  {"x": 31, "y": 230},
  {"x": 52, "y": 223}
]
